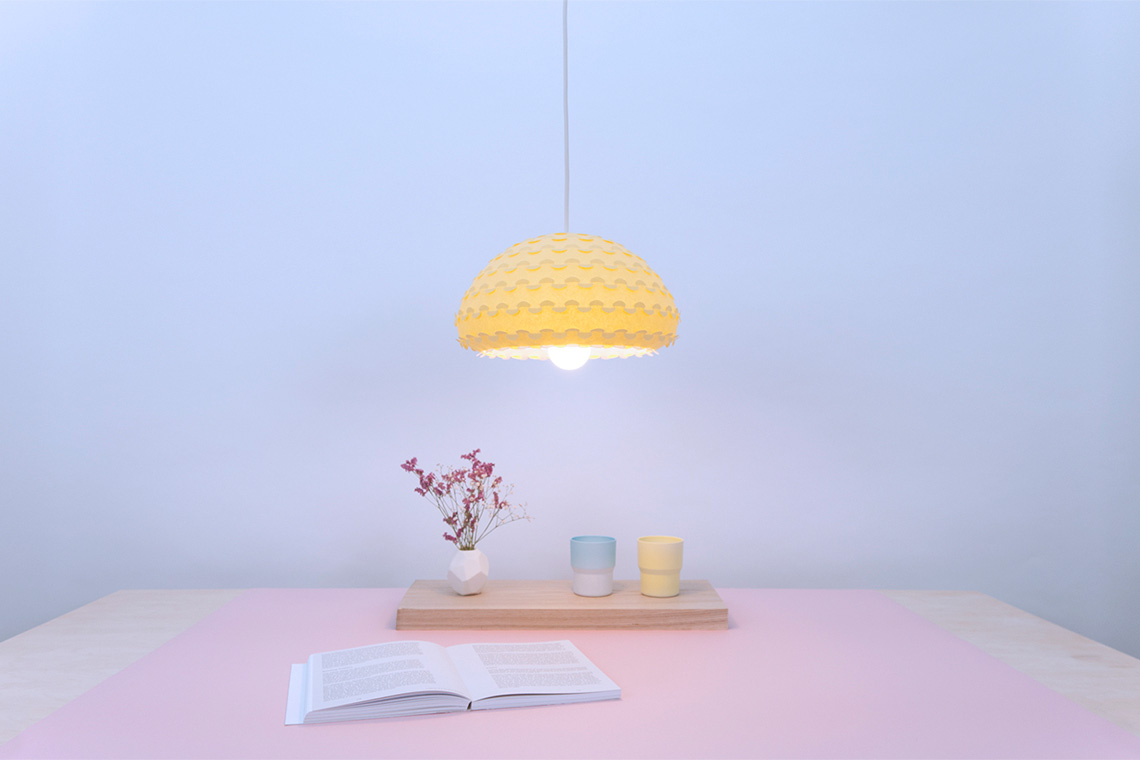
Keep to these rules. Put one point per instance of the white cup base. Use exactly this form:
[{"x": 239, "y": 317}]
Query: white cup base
[{"x": 594, "y": 582}]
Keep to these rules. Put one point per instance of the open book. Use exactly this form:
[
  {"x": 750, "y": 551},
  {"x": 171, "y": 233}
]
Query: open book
[{"x": 416, "y": 677}]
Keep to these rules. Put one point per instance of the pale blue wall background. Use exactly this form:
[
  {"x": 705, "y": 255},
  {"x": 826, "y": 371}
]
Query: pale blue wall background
[{"x": 904, "y": 239}]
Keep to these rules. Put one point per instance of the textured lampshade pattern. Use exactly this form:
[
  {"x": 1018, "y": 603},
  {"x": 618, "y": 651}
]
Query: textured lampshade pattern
[{"x": 566, "y": 289}]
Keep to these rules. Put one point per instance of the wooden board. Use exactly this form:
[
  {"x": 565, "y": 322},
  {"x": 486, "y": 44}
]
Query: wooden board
[{"x": 432, "y": 605}]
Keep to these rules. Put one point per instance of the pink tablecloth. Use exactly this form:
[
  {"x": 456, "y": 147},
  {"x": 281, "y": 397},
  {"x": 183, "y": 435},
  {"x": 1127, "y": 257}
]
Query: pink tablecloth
[{"x": 835, "y": 674}]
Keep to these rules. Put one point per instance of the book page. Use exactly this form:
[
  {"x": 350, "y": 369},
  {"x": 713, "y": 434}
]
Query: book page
[
  {"x": 380, "y": 671},
  {"x": 549, "y": 667}
]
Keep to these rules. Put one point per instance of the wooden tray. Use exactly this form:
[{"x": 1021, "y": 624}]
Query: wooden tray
[{"x": 432, "y": 605}]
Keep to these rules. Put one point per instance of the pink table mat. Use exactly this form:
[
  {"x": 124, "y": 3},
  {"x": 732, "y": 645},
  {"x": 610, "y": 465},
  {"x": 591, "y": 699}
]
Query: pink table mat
[{"x": 800, "y": 674}]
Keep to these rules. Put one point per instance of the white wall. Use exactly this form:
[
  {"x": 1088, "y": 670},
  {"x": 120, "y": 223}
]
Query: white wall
[{"x": 904, "y": 239}]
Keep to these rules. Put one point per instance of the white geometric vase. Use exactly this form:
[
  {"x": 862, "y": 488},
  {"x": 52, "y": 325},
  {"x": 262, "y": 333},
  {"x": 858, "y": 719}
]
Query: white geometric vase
[{"x": 468, "y": 571}]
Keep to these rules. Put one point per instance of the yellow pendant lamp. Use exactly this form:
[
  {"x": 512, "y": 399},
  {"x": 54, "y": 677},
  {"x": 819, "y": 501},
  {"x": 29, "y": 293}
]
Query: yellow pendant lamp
[{"x": 567, "y": 297}]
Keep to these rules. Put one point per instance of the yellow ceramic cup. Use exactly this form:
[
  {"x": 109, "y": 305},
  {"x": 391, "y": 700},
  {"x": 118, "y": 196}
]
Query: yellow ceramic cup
[{"x": 659, "y": 558}]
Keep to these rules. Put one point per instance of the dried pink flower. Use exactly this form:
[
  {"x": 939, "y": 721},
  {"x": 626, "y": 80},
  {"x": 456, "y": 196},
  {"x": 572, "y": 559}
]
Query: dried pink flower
[{"x": 469, "y": 500}]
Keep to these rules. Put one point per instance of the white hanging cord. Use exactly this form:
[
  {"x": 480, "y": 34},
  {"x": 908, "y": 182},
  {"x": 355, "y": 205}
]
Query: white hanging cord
[{"x": 566, "y": 113}]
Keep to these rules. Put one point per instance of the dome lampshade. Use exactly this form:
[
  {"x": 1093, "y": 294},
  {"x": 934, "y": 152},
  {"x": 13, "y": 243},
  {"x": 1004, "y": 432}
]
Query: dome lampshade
[{"x": 568, "y": 298}]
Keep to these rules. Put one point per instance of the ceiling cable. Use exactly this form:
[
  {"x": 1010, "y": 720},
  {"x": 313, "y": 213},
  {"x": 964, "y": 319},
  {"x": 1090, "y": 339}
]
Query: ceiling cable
[{"x": 566, "y": 114}]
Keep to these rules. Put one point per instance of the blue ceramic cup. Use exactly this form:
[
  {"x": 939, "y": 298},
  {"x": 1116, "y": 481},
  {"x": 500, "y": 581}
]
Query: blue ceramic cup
[{"x": 592, "y": 558}]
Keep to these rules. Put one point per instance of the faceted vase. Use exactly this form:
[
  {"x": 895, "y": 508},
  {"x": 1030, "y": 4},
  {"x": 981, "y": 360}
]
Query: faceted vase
[{"x": 468, "y": 571}]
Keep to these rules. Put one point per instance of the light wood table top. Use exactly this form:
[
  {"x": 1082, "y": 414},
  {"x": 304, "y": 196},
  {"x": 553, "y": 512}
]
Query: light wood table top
[{"x": 52, "y": 664}]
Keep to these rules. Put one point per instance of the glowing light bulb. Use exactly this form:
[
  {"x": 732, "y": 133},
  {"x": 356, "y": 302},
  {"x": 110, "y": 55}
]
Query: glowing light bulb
[{"x": 568, "y": 357}]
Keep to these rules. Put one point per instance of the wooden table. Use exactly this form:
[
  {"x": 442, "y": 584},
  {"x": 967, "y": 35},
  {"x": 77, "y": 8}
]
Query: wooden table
[{"x": 52, "y": 664}]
